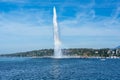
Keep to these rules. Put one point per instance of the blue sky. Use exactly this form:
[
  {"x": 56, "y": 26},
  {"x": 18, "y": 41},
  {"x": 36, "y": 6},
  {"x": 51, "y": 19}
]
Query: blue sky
[{"x": 27, "y": 24}]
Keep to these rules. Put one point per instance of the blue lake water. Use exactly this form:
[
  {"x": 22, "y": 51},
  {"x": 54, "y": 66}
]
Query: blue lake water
[{"x": 59, "y": 69}]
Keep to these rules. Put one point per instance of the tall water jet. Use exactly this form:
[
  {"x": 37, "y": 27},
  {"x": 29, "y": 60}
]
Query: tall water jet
[{"x": 57, "y": 42}]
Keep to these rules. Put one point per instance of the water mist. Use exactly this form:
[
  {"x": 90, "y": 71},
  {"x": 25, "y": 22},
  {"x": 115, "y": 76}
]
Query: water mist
[{"x": 57, "y": 42}]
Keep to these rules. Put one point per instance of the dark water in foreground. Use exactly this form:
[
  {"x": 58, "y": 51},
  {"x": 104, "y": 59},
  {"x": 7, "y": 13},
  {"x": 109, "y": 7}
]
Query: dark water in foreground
[{"x": 59, "y": 69}]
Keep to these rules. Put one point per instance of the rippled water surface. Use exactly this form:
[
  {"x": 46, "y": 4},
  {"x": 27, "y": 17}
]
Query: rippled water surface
[{"x": 59, "y": 69}]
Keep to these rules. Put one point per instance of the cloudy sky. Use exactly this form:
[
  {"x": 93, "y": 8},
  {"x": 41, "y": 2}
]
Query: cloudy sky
[{"x": 27, "y": 24}]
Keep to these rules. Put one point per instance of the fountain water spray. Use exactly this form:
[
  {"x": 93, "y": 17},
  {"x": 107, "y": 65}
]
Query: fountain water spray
[{"x": 57, "y": 42}]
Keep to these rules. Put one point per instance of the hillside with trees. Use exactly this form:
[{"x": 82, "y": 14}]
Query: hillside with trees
[{"x": 79, "y": 52}]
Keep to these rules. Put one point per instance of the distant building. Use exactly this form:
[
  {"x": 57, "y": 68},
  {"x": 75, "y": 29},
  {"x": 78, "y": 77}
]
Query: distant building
[
  {"x": 113, "y": 52},
  {"x": 96, "y": 52},
  {"x": 109, "y": 52},
  {"x": 117, "y": 51}
]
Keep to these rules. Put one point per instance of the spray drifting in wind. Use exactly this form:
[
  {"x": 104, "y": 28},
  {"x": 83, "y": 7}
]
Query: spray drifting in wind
[{"x": 57, "y": 42}]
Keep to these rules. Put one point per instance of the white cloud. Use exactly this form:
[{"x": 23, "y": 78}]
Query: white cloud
[
  {"x": 89, "y": 24},
  {"x": 25, "y": 23},
  {"x": 117, "y": 13},
  {"x": 25, "y": 30}
]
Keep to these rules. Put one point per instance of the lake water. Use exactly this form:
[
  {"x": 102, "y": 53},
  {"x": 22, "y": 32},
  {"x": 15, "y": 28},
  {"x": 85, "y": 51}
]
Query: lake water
[{"x": 59, "y": 69}]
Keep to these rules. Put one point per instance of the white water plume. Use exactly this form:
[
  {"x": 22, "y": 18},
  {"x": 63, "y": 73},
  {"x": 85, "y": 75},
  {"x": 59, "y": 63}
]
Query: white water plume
[{"x": 57, "y": 42}]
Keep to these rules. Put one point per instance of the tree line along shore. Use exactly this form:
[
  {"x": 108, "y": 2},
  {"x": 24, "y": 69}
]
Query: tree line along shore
[{"x": 76, "y": 52}]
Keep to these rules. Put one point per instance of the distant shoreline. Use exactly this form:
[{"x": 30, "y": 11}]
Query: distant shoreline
[
  {"x": 69, "y": 53},
  {"x": 65, "y": 57}
]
